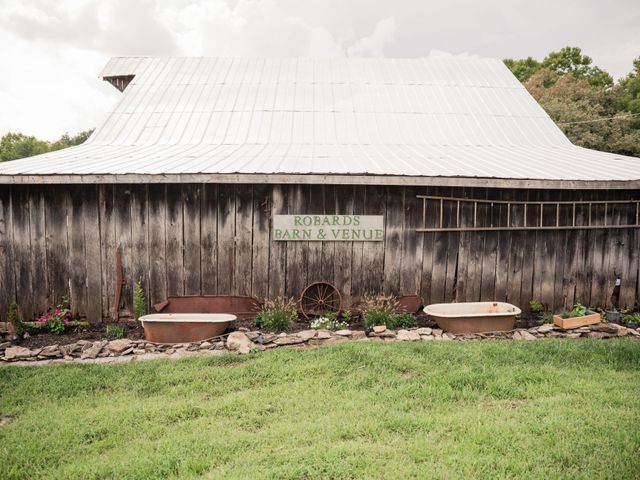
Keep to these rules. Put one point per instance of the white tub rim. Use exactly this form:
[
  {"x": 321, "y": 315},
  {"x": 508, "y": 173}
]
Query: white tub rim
[
  {"x": 429, "y": 310},
  {"x": 188, "y": 318}
]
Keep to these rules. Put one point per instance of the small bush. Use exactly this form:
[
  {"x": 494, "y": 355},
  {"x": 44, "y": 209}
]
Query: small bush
[
  {"x": 115, "y": 331},
  {"x": 577, "y": 311},
  {"x": 139, "y": 302},
  {"x": 402, "y": 320},
  {"x": 379, "y": 309},
  {"x": 546, "y": 317},
  {"x": 631, "y": 318},
  {"x": 277, "y": 315},
  {"x": 536, "y": 306}
]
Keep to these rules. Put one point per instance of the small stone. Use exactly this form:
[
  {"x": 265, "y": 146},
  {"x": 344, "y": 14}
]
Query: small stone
[
  {"x": 437, "y": 332},
  {"x": 323, "y": 334},
  {"x": 424, "y": 331},
  {"x": 268, "y": 338},
  {"x": 5, "y": 345},
  {"x": 379, "y": 328},
  {"x": 50, "y": 351},
  {"x": 344, "y": 333},
  {"x": 598, "y": 335},
  {"x": 547, "y": 327},
  {"x": 205, "y": 345},
  {"x": 16, "y": 352},
  {"x": 253, "y": 335},
  {"x": 288, "y": 340},
  {"x": 139, "y": 351},
  {"x": 92, "y": 350},
  {"x": 387, "y": 334},
  {"x": 243, "y": 329},
  {"x": 527, "y": 336},
  {"x": 605, "y": 327},
  {"x": 306, "y": 335},
  {"x": 239, "y": 341},
  {"x": 358, "y": 335},
  {"x": 448, "y": 336},
  {"x": 408, "y": 335},
  {"x": 119, "y": 345},
  {"x": 622, "y": 332},
  {"x": 573, "y": 335},
  {"x": 426, "y": 338},
  {"x": 634, "y": 333}
]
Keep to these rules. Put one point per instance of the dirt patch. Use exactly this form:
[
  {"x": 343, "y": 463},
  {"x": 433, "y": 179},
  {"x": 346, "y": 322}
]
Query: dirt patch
[
  {"x": 132, "y": 330},
  {"x": 6, "y": 420}
]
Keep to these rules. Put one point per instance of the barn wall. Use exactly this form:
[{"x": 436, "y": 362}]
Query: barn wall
[{"x": 61, "y": 241}]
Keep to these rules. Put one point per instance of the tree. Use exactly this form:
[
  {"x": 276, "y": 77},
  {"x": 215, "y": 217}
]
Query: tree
[
  {"x": 18, "y": 145},
  {"x": 523, "y": 68}
]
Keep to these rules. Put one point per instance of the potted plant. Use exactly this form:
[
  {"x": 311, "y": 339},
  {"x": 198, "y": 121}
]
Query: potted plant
[{"x": 579, "y": 316}]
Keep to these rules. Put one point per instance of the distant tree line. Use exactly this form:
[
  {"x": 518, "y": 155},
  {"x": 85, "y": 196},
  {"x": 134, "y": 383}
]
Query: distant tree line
[
  {"x": 584, "y": 101},
  {"x": 19, "y": 145}
]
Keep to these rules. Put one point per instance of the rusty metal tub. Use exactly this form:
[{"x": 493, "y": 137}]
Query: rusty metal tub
[
  {"x": 473, "y": 317},
  {"x": 184, "y": 327}
]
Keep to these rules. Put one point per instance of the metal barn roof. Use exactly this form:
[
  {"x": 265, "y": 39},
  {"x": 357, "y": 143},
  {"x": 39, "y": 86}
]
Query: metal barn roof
[{"x": 463, "y": 119}]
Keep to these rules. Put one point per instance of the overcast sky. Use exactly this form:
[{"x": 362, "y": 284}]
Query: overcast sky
[{"x": 51, "y": 51}]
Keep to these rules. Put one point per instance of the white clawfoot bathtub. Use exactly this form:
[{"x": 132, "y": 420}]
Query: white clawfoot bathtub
[{"x": 473, "y": 317}]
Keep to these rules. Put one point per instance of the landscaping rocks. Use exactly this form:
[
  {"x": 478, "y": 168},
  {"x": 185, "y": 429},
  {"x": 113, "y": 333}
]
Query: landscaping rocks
[{"x": 243, "y": 342}]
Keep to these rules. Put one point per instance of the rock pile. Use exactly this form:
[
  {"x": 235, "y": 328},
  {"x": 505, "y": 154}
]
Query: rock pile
[{"x": 245, "y": 341}]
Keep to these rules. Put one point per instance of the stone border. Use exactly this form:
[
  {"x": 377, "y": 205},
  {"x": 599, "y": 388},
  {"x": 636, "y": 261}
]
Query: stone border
[{"x": 244, "y": 341}]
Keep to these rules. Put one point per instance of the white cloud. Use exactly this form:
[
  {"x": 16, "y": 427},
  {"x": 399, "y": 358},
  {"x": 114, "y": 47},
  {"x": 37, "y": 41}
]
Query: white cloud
[{"x": 373, "y": 45}]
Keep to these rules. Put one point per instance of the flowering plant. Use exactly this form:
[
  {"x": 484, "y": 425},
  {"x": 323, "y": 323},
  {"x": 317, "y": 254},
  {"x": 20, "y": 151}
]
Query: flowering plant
[
  {"x": 56, "y": 318},
  {"x": 324, "y": 323}
]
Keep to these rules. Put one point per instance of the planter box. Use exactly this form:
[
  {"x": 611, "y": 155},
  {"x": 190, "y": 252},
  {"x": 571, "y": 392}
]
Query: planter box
[{"x": 576, "y": 322}]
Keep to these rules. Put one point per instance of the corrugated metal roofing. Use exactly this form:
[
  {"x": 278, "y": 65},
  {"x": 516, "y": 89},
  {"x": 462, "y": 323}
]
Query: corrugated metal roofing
[{"x": 446, "y": 117}]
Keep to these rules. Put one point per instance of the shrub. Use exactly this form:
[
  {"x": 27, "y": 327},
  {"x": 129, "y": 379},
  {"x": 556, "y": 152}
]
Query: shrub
[
  {"x": 115, "y": 331},
  {"x": 379, "y": 309},
  {"x": 631, "y": 318},
  {"x": 536, "y": 306},
  {"x": 277, "y": 315},
  {"x": 139, "y": 302},
  {"x": 13, "y": 316},
  {"x": 402, "y": 320},
  {"x": 577, "y": 311},
  {"x": 56, "y": 318},
  {"x": 546, "y": 317}
]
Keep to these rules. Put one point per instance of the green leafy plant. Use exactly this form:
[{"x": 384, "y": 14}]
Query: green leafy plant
[
  {"x": 379, "y": 309},
  {"x": 546, "y": 317},
  {"x": 536, "y": 306},
  {"x": 56, "y": 318},
  {"x": 139, "y": 301},
  {"x": 277, "y": 315},
  {"x": 631, "y": 318},
  {"x": 115, "y": 331},
  {"x": 13, "y": 316},
  {"x": 578, "y": 310},
  {"x": 346, "y": 316},
  {"x": 402, "y": 320}
]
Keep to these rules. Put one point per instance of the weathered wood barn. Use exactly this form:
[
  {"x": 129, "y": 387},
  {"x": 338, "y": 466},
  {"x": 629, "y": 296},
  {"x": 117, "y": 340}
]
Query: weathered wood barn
[{"x": 481, "y": 195}]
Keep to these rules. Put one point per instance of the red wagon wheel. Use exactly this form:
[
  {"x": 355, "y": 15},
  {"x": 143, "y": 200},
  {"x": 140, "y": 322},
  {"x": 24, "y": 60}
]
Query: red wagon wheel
[{"x": 319, "y": 298}]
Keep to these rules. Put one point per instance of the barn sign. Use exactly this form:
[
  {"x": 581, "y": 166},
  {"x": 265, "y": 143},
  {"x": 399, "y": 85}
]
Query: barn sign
[{"x": 328, "y": 228}]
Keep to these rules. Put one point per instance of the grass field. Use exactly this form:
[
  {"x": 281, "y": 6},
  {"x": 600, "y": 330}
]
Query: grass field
[{"x": 545, "y": 409}]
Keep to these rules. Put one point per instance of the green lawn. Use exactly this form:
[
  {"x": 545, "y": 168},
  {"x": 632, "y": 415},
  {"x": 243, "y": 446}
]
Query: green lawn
[{"x": 545, "y": 409}]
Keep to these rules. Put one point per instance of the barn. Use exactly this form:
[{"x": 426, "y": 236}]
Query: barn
[{"x": 440, "y": 177}]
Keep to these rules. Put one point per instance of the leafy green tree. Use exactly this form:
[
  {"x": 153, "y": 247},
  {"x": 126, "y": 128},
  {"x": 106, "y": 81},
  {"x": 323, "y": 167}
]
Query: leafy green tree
[
  {"x": 570, "y": 60},
  {"x": 523, "y": 68},
  {"x": 19, "y": 145}
]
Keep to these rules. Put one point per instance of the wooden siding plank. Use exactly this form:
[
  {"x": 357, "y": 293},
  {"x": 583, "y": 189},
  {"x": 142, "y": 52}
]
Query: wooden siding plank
[
  {"x": 343, "y": 250},
  {"x": 226, "y": 238},
  {"x": 174, "y": 241},
  {"x": 140, "y": 239},
  {"x": 22, "y": 251},
  {"x": 315, "y": 205},
  {"x": 357, "y": 287},
  {"x": 328, "y": 248},
  {"x": 38, "y": 241},
  {"x": 488, "y": 216},
  {"x": 106, "y": 211},
  {"x": 373, "y": 252},
  {"x": 7, "y": 276},
  {"x": 209, "y": 239},
  {"x": 244, "y": 238},
  {"x": 394, "y": 199},
  {"x": 92, "y": 236},
  {"x": 428, "y": 247},
  {"x": 122, "y": 200},
  {"x": 297, "y": 251},
  {"x": 157, "y": 208},
  {"x": 192, "y": 239},
  {"x": 278, "y": 250},
  {"x": 77, "y": 254},
  {"x": 56, "y": 205},
  {"x": 260, "y": 251}
]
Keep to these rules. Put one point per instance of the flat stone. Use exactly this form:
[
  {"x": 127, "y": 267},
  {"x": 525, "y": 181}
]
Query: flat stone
[
  {"x": 51, "y": 351},
  {"x": 5, "y": 345},
  {"x": 119, "y": 345},
  {"x": 379, "y": 328},
  {"x": 323, "y": 334},
  {"x": 288, "y": 340},
  {"x": 622, "y": 331},
  {"x": 328, "y": 341},
  {"x": 387, "y": 334},
  {"x": 407, "y": 335},
  {"x": 253, "y": 335},
  {"x": 205, "y": 345},
  {"x": 527, "y": 336},
  {"x": 358, "y": 335},
  {"x": 448, "y": 336},
  {"x": 547, "y": 327},
  {"x": 437, "y": 332},
  {"x": 306, "y": 334},
  {"x": 634, "y": 333},
  {"x": 92, "y": 350},
  {"x": 424, "y": 331},
  {"x": 573, "y": 335},
  {"x": 343, "y": 333},
  {"x": 268, "y": 338},
  {"x": 238, "y": 341},
  {"x": 426, "y": 338},
  {"x": 605, "y": 327},
  {"x": 598, "y": 335},
  {"x": 12, "y": 353}
]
